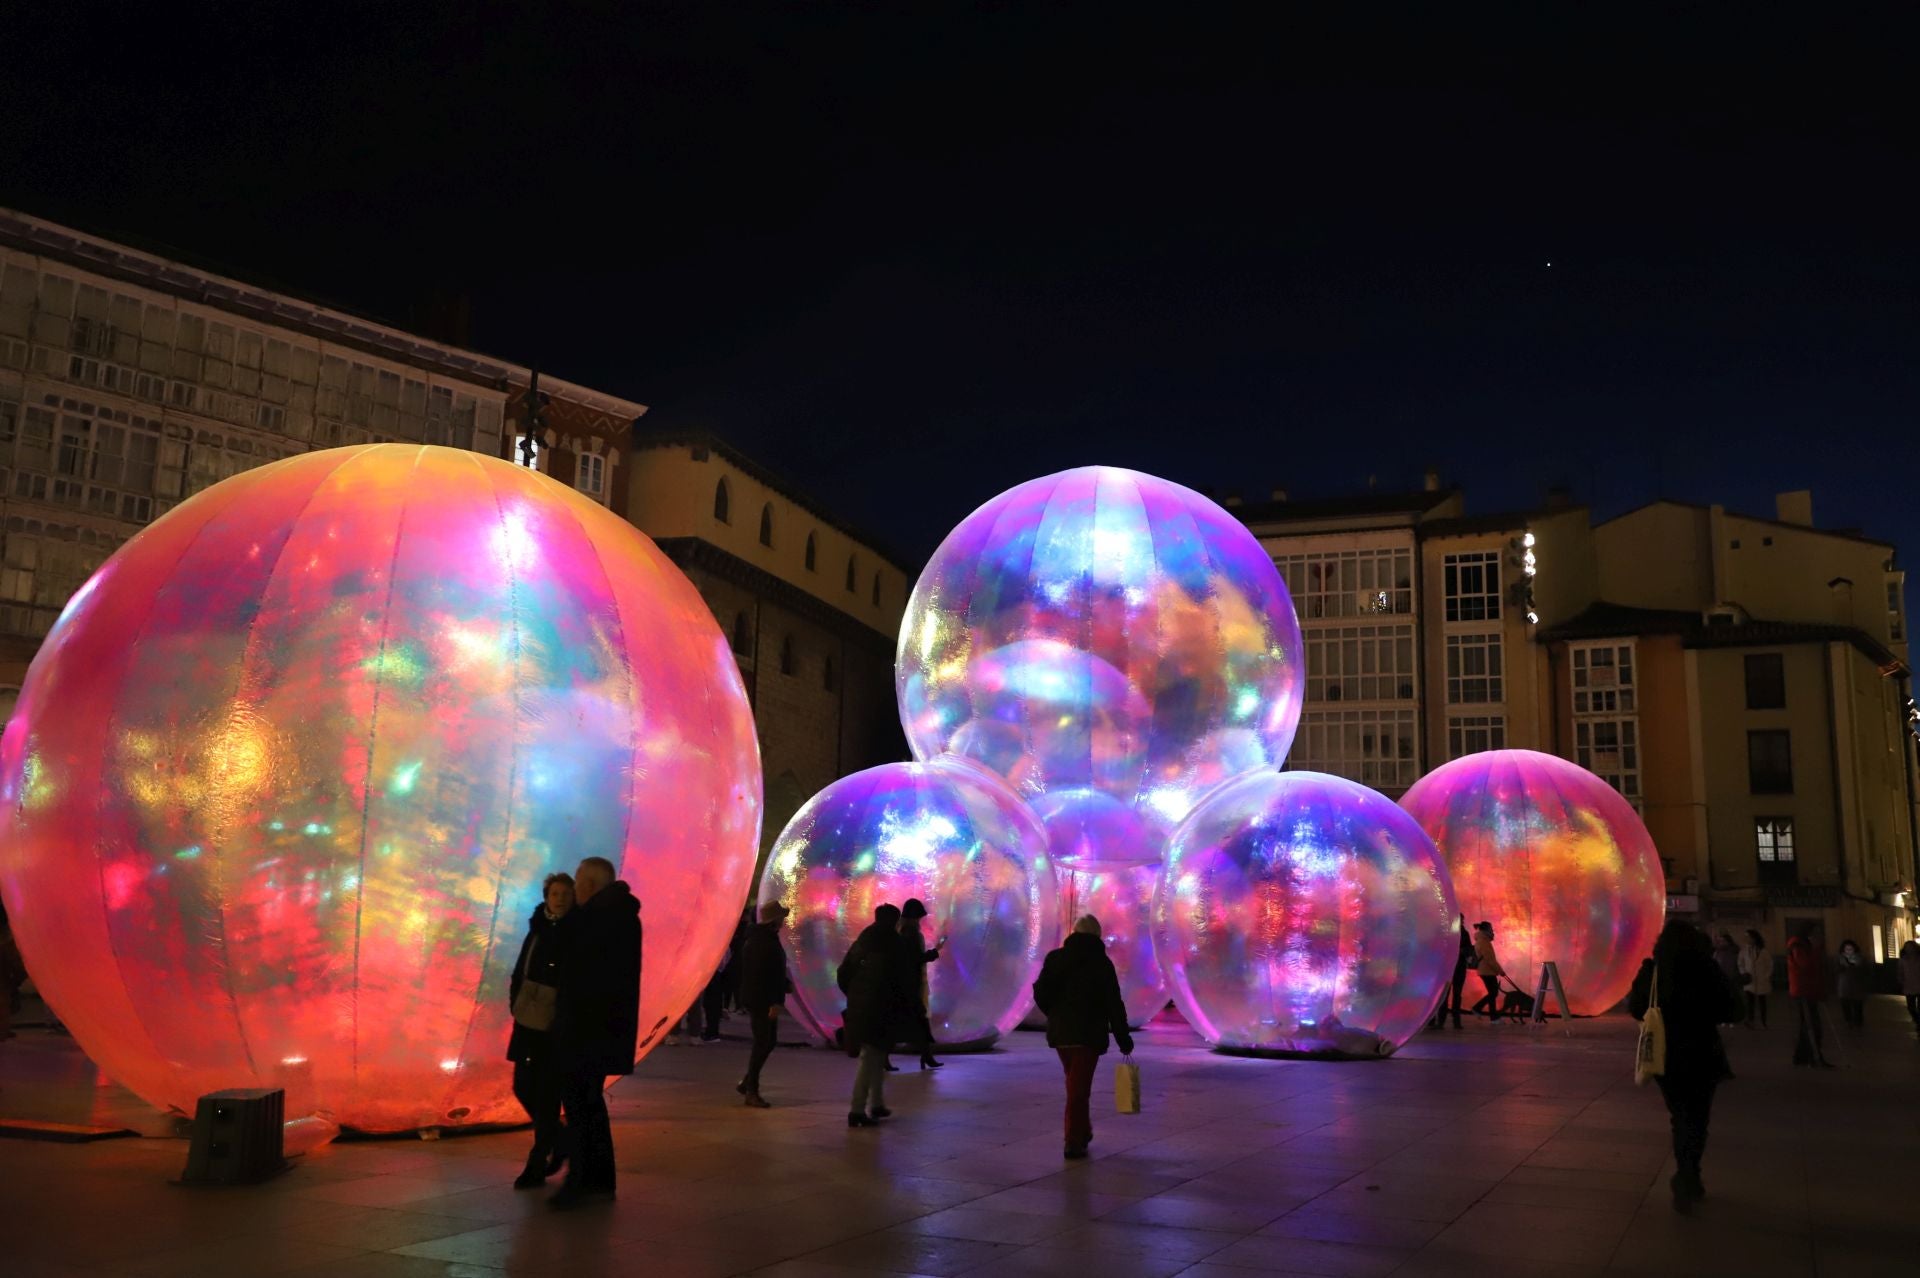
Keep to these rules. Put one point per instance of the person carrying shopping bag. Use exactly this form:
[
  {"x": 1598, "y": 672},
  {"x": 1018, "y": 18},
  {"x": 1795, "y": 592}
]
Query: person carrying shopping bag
[{"x": 1079, "y": 993}]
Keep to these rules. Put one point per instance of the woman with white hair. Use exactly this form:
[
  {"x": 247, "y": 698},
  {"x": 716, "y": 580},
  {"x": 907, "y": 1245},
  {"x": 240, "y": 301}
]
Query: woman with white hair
[{"x": 1079, "y": 993}]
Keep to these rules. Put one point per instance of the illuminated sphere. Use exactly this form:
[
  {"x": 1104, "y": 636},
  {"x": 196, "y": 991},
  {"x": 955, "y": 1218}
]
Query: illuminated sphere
[
  {"x": 947, "y": 832},
  {"x": 1091, "y": 828},
  {"x": 283, "y": 782},
  {"x": 1298, "y": 912},
  {"x": 1556, "y": 860},
  {"x": 1121, "y": 897},
  {"x": 1102, "y": 629}
]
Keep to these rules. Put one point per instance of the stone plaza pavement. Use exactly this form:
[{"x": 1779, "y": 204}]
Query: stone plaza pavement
[{"x": 1501, "y": 1151}]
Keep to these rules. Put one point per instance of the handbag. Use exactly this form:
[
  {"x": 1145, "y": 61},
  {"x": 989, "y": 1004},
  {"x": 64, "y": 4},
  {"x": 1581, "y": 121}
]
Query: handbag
[
  {"x": 1650, "y": 1051},
  {"x": 536, "y": 1002},
  {"x": 1126, "y": 1087}
]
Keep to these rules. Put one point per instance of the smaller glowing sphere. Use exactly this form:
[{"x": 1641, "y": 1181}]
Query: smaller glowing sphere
[
  {"x": 1298, "y": 912},
  {"x": 1121, "y": 897},
  {"x": 1556, "y": 860},
  {"x": 953, "y": 835},
  {"x": 1091, "y": 829}
]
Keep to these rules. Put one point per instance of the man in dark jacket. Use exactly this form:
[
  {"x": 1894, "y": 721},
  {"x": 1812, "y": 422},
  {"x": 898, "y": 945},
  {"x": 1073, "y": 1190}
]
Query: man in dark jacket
[
  {"x": 763, "y": 992},
  {"x": 876, "y": 980},
  {"x": 1694, "y": 1000},
  {"x": 596, "y": 1022},
  {"x": 1079, "y": 993}
]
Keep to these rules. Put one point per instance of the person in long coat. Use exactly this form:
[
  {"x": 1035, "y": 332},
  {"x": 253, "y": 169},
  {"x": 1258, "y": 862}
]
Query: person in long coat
[
  {"x": 763, "y": 989},
  {"x": 1850, "y": 982},
  {"x": 1910, "y": 980},
  {"x": 596, "y": 1024},
  {"x": 1695, "y": 1000},
  {"x": 1450, "y": 997},
  {"x": 1079, "y": 993},
  {"x": 535, "y": 1083},
  {"x": 878, "y": 984},
  {"x": 913, "y": 942}
]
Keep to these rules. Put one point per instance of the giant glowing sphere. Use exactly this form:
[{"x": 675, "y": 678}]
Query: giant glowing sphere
[
  {"x": 1104, "y": 629},
  {"x": 1556, "y": 860},
  {"x": 283, "y": 782},
  {"x": 1298, "y": 912},
  {"x": 947, "y": 832},
  {"x": 1121, "y": 897}
]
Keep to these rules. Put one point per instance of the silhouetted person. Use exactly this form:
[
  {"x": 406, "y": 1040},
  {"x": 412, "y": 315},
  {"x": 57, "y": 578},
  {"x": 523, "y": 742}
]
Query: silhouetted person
[
  {"x": 1079, "y": 993},
  {"x": 1487, "y": 964},
  {"x": 763, "y": 989},
  {"x": 1694, "y": 1000},
  {"x": 1450, "y": 1001},
  {"x": 597, "y": 1023},
  {"x": 1850, "y": 983},
  {"x": 914, "y": 947},
  {"x": 1806, "y": 986},
  {"x": 538, "y": 973},
  {"x": 1756, "y": 977},
  {"x": 878, "y": 984},
  {"x": 1910, "y": 980}
]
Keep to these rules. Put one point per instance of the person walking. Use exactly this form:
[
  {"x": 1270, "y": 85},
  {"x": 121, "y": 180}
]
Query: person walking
[
  {"x": 596, "y": 1023},
  {"x": 1806, "y": 986},
  {"x": 1756, "y": 977},
  {"x": 537, "y": 975},
  {"x": 1487, "y": 964},
  {"x": 1695, "y": 999},
  {"x": 1850, "y": 983},
  {"x": 762, "y": 990},
  {"x": 1079, "y": 993},
  {"x": 918, "y": 956},
  {"x": 876, "y": 981},
  {"x": 1450, "y": 998},
  {"x": 1727, "y": 955},
  {"x": 1910, "y": 980}
]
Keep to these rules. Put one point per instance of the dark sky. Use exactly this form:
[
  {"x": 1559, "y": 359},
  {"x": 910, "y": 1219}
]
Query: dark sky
[{"x": 911, "y": 254}]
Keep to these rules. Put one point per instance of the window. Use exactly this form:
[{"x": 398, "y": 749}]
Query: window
[
  {"x": 788, "y": 663},
  {"x": 1359, "y": 663},
  {"x": 1610, "y": 749},
  {"x": 1603, "y": 679},
  {"x": 590, "y": 475},
  {"x": 720, "y": 502},
  {"x": 810, "y": 554},
  {"x": 1372, "y": 746},
  {"x": 1472, "y": 735},
  {"x": 766, "y": 525},
  {"x": 1473, "y": 668},
  {"x": 1473, "y": 586},
  {"x": 1349, "y": 583},
  {"x": 850, "y": 585},
  {"x": 742, "y": 634},
  {"x": 1766, "y": 681},
  {"x": 525, "y": 452},
  {"x": 1769, "y": 762},
  {"x": 1773, "y": 844}
]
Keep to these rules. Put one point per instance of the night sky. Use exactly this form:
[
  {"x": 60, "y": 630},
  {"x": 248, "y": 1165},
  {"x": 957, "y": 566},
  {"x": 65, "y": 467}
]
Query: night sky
[{"x": 912, "y": 254}]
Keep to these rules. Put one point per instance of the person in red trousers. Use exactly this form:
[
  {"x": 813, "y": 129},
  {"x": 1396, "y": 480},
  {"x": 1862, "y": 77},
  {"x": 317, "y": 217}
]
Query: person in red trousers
[{"x": 1079, "y": 993}]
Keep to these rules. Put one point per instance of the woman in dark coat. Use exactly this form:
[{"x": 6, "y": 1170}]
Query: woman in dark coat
[
  {"x": 1695, "y": 1000},
  {"x": 535, "y": 1085},
  {"x": 876, "y": 979},
  {"x": 914, "y": 946},
  {"x": 1079, "y": 993}
]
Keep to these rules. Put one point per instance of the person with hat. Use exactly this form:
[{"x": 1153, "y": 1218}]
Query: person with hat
[
  {"x": 763, "y": 990},
  {"x": 915, "y": 953}
]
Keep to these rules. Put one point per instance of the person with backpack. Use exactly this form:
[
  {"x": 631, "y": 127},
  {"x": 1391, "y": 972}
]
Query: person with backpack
[
  {"x": 1694, "y": 999},
  {"x": 1079, "y": 993}
]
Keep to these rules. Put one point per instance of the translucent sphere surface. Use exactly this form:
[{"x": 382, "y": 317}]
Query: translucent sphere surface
[
  {"x": 947, "y": 832},
  {"x": 283, "y": 782},
  {"x": 1090, "y": 828},
  {"x": 1299, "y": 912},
  {"x": 1556, "y": 860},
  {"x": 1121, "y": 897},
  {"x": 1151, "y": 642}
]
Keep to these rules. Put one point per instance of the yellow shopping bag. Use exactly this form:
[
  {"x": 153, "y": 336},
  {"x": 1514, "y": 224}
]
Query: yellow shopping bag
[{"x": 1126, "y": 1087}]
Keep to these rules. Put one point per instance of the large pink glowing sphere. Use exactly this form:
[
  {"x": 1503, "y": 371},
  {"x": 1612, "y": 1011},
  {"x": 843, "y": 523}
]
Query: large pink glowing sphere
[
  {"x": 1556, "y": 860},
  {"x": 1298, "y": 912},
  {"x": 283, "y": 782},
  {"x": 949, "y": 833},
  {"x": 1103, "y": 629},
  {"x": 1121, "y": 897}
]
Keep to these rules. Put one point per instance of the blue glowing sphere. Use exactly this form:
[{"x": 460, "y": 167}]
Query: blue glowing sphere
[
  {"x": 949, "y": 833},
  {"x": 1298, "y": 912}
]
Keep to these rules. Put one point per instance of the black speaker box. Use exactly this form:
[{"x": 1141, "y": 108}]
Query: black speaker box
[{"x": 237, "y": 1137}]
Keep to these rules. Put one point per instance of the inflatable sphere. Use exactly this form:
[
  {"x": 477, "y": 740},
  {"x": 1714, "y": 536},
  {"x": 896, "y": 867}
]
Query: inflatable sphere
[
  {"x": 1298, "y": 912},
  {"x": 1092, "y": 829},
  {"x": 1102, "y": 629},
  {"x": 1556, "y": 860},
  {"x": 949, "y": 833},
  {"x": 283, "y": 782},
  {"x": 1121, "y": 897}
]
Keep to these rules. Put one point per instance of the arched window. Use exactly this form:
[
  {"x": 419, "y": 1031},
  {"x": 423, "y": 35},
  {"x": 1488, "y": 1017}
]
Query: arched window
[
  {"x": 766, "y": 524},
  {"x": 810, "y": 556},
  {"x": 830, "y": 678},
  {"x": 742, "y": 634},
  {"x": 787, "y": 662},
  {"x": 720, "y": 502},
  {"x": 850, "y": 585},
  {"x": 876, "y": 590}
]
